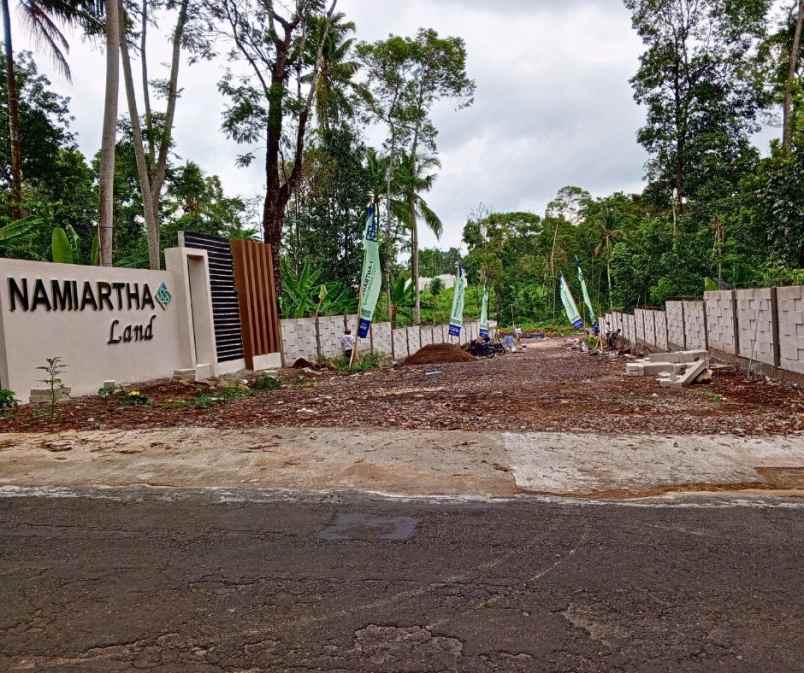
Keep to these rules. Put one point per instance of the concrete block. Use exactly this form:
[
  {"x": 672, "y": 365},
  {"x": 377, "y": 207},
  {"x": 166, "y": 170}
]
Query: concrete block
[
  {"x": 269, "y": 361},
  {"x": 179, "y": 374},
  {"x": 693, "y": 371},
  {"x": 678, "y": 356}
]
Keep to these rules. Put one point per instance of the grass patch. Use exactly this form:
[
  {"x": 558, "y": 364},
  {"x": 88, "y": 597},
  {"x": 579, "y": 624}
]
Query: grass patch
[
  {"x": 363, "y": 363},
  {"x": 220, "y": 396},
  {"x": 266, "y": 382}
]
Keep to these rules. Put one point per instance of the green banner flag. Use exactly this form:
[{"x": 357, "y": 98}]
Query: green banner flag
[
  {"x": 585, "y": 292},
  {"x": 371, "y": 278},
  {"x": 456, "y": 319},
  {"x": 569, "y": 305},
  {"x": 484, "y": 313}
]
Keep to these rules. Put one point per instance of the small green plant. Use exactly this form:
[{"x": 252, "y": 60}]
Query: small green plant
[
  {"x": 7, "y": 399},
  {"x": 265, "y": 382},
  {"x": 362, "y": 363},
  {"x": 53, "y": 371},
  {"x": 133, "y": 397},
  {"x": 206, "y": 400}
]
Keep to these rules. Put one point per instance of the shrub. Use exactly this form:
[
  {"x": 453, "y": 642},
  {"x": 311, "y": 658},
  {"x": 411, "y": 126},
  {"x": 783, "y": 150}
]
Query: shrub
[
  {"x": 7, "y": 399},
  {"x": 265, "y": 382}
]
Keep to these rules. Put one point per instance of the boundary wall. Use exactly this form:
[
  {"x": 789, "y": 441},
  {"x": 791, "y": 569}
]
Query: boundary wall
[
  {"x": 762, "y": 325},
  {"x": 318, "y": 338}
]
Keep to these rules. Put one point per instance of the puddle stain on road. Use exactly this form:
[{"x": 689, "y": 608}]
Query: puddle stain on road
[{"x": 358, "y": 526}]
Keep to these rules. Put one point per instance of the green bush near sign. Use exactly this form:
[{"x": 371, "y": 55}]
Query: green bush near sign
[{"x": 7, "y": 399}]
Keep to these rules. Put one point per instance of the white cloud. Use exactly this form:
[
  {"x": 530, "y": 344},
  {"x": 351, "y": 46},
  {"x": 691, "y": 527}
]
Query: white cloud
[{"x": 553, "y": 104}]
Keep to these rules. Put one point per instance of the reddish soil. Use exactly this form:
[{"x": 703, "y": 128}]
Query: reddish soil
[
  {"x": 437, "y": 354},
  {"x": 547, "y": 388}
]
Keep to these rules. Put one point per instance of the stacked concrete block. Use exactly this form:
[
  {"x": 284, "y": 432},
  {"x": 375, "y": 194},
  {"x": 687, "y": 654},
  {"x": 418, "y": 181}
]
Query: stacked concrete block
[
  {"x": 755, "y": 320},
  {"x": 639, "y": 318},
  {"x": 330, "y": 331},
  {"x": 720, "y": 323},
  {"x": 298, "y": 340},
  {"x": 414, "y": 339},
  {"x": 629, "y": 328},
  {"x": 791, "y": 327},
  {"x": 650, "y": 328},
  {"x": 426, "y": 335},
  {"x": 660, "y": 329},
  {"x": 695, "y": 324},
  {"x": 400, "y": 337},
  {"x": 674, "y": 312},
  {"x": 381, "y": 337}
]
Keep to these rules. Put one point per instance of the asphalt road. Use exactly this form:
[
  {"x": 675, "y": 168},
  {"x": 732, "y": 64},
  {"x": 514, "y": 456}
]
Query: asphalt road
[{"x": 237, "y": 582}]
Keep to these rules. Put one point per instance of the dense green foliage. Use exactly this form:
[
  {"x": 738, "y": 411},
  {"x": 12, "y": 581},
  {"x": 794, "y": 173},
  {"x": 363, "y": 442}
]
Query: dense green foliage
[{"x": 716, "y": 210}]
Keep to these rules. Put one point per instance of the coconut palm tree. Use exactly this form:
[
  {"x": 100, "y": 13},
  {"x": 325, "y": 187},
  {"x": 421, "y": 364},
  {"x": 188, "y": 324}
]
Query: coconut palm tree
[
  {"x": 607, "y": 231},
  {"x": 336, "y": 79},
  {"x": 42, "y": 17},
  {"x": 414, "y": 176}
]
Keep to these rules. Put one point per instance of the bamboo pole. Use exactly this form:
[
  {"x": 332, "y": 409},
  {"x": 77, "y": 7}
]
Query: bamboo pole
[{"x": 357, "y": 326}]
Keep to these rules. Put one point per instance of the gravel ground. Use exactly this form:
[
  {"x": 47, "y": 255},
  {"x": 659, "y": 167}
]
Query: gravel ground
[{"x": 546, "y": 388}]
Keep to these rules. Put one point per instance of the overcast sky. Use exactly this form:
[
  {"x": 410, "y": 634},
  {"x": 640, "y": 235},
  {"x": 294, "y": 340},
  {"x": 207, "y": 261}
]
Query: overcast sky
[{"x": 553, "y": 104}]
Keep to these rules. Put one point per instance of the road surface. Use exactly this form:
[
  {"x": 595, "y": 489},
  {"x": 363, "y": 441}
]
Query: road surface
[{"x": 236, "y": 581}]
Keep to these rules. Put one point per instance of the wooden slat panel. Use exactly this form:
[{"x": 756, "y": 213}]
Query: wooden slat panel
[{"x": 257, "y": 299}]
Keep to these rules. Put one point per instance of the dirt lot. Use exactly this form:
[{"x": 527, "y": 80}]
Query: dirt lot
[{"x": 547, "y": 388}]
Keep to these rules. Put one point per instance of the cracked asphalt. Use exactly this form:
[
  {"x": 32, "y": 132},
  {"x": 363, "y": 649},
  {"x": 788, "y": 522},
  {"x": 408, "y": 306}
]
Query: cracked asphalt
[{"x": 224, "y": 581}]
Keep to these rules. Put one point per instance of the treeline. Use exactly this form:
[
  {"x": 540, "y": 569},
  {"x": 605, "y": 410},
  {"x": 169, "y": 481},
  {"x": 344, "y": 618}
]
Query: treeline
[{"x": 715, "y": 211}]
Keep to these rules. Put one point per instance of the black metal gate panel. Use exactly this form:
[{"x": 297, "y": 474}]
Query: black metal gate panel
[{"x": 225, "y": 307}]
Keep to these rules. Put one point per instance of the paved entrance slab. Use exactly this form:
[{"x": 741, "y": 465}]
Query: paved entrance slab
[{"x": 404, "y": 462}]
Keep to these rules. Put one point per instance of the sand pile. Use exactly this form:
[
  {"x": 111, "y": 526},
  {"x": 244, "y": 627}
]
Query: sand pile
[{"x": 436, "y": 354}]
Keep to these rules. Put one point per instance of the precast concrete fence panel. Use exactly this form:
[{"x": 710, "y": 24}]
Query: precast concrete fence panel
[
  {"x": 791, "y": 327},
  {"x": 755, "y": 317}
]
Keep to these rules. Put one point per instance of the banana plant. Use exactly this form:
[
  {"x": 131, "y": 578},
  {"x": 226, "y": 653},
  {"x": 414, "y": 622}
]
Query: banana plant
[{"x": 64, "y": 245}]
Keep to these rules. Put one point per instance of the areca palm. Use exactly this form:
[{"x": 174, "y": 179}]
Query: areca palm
[
  {"x": 414, "y": 176},
  {"x": 42, "y": 18}
]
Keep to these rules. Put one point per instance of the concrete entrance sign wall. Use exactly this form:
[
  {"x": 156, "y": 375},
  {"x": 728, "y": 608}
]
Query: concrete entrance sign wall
[{"x": 106, "y": 323}]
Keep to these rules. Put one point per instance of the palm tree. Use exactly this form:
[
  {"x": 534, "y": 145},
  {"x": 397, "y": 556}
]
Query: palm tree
[
  {"x": 336, "y": 78},
  {"x": 607, "y": 232},
  {"x": 413, "y": 176},
  {"x": 109, "y": 134},
  {"x": 42, "y": 18}
]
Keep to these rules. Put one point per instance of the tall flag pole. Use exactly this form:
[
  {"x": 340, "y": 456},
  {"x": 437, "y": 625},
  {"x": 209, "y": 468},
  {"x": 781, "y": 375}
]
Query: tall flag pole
[
  {"x": 456, "y": 319},
  {"x": 585, "y": 292},
  {"x": 484, "y": 313},
  {"x": 371, "y": 277},
  {"x": 569, "y": 305}
]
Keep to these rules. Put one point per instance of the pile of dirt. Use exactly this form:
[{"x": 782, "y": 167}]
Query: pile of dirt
[{"x": 437, "y": 354}]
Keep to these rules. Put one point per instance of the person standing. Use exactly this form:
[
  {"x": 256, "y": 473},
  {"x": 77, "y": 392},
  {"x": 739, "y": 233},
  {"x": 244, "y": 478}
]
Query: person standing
[{"x": 347, "y": 344}]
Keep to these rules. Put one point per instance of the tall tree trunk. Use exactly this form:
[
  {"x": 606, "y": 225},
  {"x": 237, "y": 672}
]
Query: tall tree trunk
[
  {"x": 106, "y": 217},
  {"x": 151, "y": 223},
  {"x": 278, "y": 194},
  {"x": 13, "y": 118},
  {"x": 160, "y": 170},
  {"x": 414, "y": 244},
  {"x": 146, "y": 89},
  {"x": 787, "y": 125}
]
